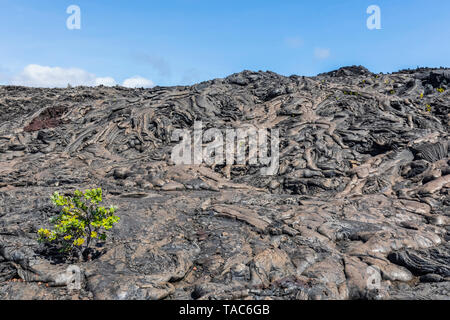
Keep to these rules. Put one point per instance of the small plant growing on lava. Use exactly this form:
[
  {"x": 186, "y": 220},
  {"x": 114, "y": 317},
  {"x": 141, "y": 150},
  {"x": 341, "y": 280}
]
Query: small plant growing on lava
[
  {"x": 80, "y": 221},
  {"x": 440, "y": 90}
]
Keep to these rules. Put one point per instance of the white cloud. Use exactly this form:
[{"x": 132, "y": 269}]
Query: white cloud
[
  {"x": 138, "y": 82},
  {"x": 106, "y": 81},
  {"x": 35, "y": 75},
  {"x": 321, "y": 53}
]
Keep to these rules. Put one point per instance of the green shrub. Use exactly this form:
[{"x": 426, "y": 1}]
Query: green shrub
[{"x": 80, "y": 221}]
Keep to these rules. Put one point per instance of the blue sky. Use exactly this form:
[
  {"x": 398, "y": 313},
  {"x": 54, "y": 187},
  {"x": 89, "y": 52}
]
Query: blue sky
[{"x": 187, "y": 41}]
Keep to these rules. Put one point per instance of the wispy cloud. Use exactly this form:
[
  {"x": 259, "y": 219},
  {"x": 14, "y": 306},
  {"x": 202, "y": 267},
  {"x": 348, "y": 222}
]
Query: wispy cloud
[
  {"x": 293, "y": 42},
  {"x": 322, "y": 53},
  {"x": 157, "y": 63},
  {"x": 190, "y": 76}
]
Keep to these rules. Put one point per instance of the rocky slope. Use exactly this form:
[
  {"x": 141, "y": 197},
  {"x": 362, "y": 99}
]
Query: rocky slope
[{"x": 363, "y": 185}]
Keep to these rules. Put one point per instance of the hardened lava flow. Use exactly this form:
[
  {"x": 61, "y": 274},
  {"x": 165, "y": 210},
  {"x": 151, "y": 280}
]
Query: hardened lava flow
[{"x": 358, "y": 208}]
